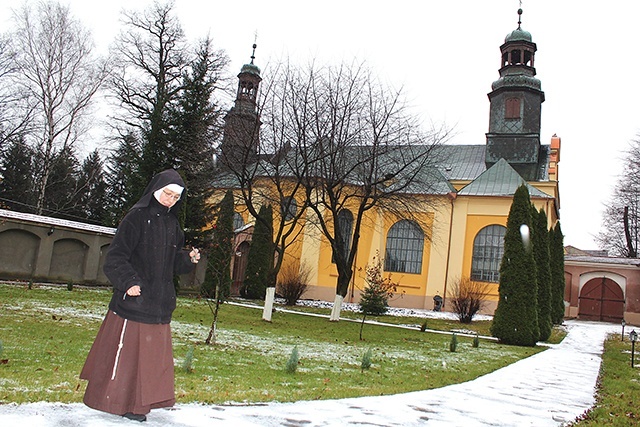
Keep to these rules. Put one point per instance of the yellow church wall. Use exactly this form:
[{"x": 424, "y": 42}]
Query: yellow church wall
[
  {"x": 438, "y": 261},
  {"x": 412, "y": 287},
  {"x": 451, "y": 226},
  {"x": 472, "y": 214},
  {"x": 327, "y": 272},
  {"x": 372, "y": 243}
]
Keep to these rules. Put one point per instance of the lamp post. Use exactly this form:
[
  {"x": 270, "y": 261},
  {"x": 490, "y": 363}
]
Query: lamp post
[
  {"x": 623, "y": 325},
  {"x": 633, "y": 336}
]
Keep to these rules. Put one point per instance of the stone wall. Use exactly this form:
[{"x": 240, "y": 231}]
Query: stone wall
[{"x": 45, "y": 249}]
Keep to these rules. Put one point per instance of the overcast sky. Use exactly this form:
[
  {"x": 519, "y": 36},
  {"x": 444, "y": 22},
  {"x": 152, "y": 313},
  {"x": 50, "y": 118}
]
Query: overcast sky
[{"x": 446, "y": 55}]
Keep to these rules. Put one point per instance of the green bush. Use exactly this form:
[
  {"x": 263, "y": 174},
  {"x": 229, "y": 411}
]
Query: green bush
[
  {"x": 366, "y": 360},
  {"x": 294, "y": 360},
  {"x": 453, "y": 345},
  {"x": 187, "y": 364}
]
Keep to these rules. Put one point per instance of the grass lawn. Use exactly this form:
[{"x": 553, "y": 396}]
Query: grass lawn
[
  {"x": 618, "y": 395},
  {"x": 47, "y": 331}
]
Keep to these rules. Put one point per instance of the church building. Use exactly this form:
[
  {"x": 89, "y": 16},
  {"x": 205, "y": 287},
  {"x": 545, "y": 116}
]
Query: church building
[{"x": 466, "y": 226}]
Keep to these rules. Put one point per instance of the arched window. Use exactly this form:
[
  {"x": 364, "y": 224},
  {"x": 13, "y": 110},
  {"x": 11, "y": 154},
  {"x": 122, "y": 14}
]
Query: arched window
[
  {"x": 488, "y": 249},
  {"x": 288, "y": 208},
  {"x": 238, "y": 222},
  {"x": 345, "y": 225},
  {"x": 405, "y": 243}
]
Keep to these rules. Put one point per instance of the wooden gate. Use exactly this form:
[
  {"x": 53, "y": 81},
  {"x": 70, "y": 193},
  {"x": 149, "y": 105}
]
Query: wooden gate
[{"x": 601, "y": 299}]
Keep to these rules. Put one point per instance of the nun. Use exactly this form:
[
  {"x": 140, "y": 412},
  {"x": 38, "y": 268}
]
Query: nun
[{"x": 129, "y": 368}]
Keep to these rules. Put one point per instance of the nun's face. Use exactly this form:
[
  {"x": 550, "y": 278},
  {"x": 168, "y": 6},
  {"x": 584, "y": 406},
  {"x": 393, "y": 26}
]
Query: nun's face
[{"x": 168, "y": 198}]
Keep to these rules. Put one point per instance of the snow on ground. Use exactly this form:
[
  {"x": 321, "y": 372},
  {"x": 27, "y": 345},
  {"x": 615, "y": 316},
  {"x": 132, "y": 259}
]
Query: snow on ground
[{"x": 550, "y": 388}]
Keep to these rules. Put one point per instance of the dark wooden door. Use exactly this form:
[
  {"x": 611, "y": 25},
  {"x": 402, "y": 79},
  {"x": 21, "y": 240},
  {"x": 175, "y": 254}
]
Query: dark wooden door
[
  {"x": 239, "y": 267},
  {"x": 601, "y": 299}
]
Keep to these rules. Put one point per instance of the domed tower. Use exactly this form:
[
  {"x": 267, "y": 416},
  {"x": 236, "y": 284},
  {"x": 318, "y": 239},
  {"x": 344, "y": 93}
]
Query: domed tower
[
  {"x": 516, "y": 102},
  {"x": 242, "y": 123}
]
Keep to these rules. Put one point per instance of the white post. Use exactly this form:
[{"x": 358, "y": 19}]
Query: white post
[
  {"x": 337, "y": 306},
  {"x": 268, "y": 304}
]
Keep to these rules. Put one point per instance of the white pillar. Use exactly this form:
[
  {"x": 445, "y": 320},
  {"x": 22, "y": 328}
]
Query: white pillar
[{"x": 268, "y": 304}]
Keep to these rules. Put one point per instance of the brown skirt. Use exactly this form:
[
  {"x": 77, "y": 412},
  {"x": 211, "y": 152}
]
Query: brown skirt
[{"x": 129, "y": 367}]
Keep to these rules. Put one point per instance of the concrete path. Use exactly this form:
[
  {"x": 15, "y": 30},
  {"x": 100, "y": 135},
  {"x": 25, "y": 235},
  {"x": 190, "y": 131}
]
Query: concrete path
[{"x": 550, "y": 388}]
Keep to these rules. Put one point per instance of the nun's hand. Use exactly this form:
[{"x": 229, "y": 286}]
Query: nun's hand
[
  {"x": 134, "y": 291},
  {"x": 194, "y": 255}
]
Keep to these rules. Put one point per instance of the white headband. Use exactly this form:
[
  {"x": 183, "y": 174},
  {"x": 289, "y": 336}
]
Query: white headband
[
  {"x": 171, "y": 187},
  {"x": 175, "y": 188}
]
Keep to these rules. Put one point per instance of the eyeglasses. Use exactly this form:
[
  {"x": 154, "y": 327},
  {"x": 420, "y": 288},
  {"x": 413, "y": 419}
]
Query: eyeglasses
[{"x": 170, "y": 195}]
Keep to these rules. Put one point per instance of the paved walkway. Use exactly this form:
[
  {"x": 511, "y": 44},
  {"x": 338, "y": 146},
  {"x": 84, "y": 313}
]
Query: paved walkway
[{"x": 550, "y": 388}]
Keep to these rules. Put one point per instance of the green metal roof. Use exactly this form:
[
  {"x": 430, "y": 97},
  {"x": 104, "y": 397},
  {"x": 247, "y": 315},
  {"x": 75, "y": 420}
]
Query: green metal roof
[
  {"x": 446, "y": 163},
  {"x": 499, "y": 180},
  {"x": 517, "y": 35}
]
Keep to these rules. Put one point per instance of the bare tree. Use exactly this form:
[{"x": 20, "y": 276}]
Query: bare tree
[
  {"x": 358, "y": 148},
  {"x": 15, "y": 113},
  {"x": 58, "y": 76},
  {"x": 150, "y": 55},
  {"x": 620, "y": 226},
  {"x": 256, "y": 153}
]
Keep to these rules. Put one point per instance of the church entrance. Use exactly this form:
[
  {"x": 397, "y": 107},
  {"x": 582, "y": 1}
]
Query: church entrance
[{"x": 601, "y": 299}]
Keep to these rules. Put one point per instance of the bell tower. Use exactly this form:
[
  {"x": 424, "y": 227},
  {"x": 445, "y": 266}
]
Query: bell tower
[
  {"x": 241, "y": 137},
  {"x": 516, "y": 99}
]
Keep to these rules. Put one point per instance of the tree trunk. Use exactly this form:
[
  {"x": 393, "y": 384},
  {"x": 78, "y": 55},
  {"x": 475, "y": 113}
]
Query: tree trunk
[
  {"x": 214, "y": 324},
  {"x": 631, "y": 251},
  {"x": 268, "y": 304},
  {"x": 337, "y": 306}
]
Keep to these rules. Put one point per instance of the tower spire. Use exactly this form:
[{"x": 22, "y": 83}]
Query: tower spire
[
  {"x": 520, "y": 15},
  {"x": 515, "y": 107},
  {"x": 242, "y": 123},
  {"x": 255, "y": 40}
]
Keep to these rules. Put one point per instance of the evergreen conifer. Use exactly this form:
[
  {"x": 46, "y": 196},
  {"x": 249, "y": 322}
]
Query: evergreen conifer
[
  {"x": 556, "y": 251},
  {"x": 259, "y": 273},
  {"x": 515, "y": 320},
  {"x": 540, "y": 241},
  {"x": 17, "y": 191},
  {"x": 218, "y": 272}
]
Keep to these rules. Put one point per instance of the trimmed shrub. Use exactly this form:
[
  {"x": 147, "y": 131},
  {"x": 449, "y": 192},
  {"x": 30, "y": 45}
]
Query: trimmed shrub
[
  {"x": 476, "y": 341},
  {"x": 366, "y": 360},
  {"x": 292, "y": 363},
  {"x": 187, "y": 364},
  {"x": 453, "y": 345}
]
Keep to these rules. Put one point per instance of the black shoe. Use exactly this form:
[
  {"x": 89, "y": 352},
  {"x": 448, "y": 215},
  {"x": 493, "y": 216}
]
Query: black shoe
[{"x": 135, "y": 417}]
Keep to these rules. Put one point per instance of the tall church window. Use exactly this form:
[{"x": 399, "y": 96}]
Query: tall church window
[
  {"x": 488, "y": 249},
  {"x": 345, "y": 225},
  {"x": 288, "y": 208},
  {"x": 512, "y": 108},
  {"x": 405, "y": 243},
  {"x": 238, "y": 222}
]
